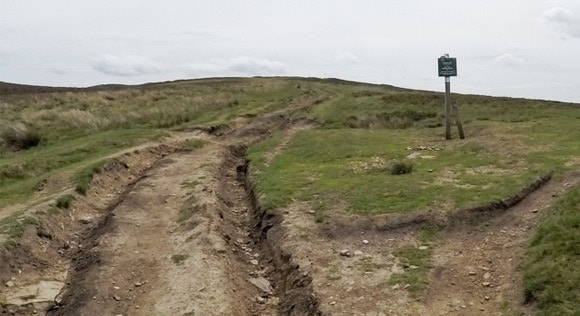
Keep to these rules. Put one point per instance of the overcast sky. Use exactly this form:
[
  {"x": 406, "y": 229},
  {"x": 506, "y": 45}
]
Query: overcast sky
[{"x": 518, "y": 48}]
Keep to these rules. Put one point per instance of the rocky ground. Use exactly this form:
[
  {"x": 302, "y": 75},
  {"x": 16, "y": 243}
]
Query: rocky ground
[{"x": 170, "y": 231}]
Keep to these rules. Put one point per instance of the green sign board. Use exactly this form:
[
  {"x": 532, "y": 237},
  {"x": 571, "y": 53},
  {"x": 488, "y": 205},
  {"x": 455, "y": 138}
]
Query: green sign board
[{"x": 447, "y": 66}]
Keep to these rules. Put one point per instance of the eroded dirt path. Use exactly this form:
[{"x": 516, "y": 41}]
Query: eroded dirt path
[
  {"x": 163, "y": 248},
  {"x": 169, "y": 231},
  {"x": 475, "y": 267}
]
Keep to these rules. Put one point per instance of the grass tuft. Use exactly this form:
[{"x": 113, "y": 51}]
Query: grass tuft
[
  {"x": 65, "y": 201},
  {"x": 179, "y": 258},
  {"x": 416, "y": 277},
  {"x": 18, "y": 136},
  {"x": 186, "y": 213},
  {"x": 400, "y": 167},
  {"x": 85, "y": 176}
]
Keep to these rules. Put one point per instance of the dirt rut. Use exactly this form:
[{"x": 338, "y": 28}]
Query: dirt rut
[{"x": 185, "y": 237}]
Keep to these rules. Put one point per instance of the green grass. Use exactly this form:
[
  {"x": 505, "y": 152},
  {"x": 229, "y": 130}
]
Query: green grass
[
  {"x": 84, "y": 178},
  {"x": 65, "y": 201},
  {"x": 179, "y": 258},
  {"x": 551, "y": 274},
  {"x": 353, "y": 165},
  {"x": 192, "y": 144},
  {"x": 186, "y": 212},
  {"x": 14, "y": 227},
  {"x": 415, "y": 277},
  {"x": 83, "y": 126}
]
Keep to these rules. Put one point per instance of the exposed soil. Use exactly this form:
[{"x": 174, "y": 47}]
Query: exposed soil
[{"x": 169, "y": 231}]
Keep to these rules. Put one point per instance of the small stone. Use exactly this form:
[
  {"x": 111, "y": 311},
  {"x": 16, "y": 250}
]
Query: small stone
[
  {"x": 406, "y": 286},
  {"x": 423, "y": 247},
  {"x": 358, "y": 253},
  {"x": 116, "y": 297},
  {"x": 472, "y": 273},
  {"x": 345, "y": 253},
  {"x": 486, "y": 298},
  {"x": 487, "y": 275},
  {"x": 263, "y": 284},
  {"x": 535, "y": 210},
  {"x": 254, "y": 262},
  {"x": 430, "y": 170},
  {"x": 311, "y": 212},
  {"x": 463, "y": 306},
  {"x": 332, "y": 303},
  {"x": 485, "y": 268},
  {"x": 366, "y": 242},
  {"x": 260, "y": 300},
  {"x": 116, "y": 287},
  {"x": 486, "y": 284},
  {"x": 86, "y": 219},
  {"x": 9, "y": 284},
  {"x": 138, "y": 284},
  {"x": 396, "y": 286},
  {"x": 412, "y": 267}
]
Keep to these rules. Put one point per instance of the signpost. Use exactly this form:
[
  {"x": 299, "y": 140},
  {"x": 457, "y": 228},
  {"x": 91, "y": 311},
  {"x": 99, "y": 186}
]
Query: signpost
[{"x": 447, "y": 68}]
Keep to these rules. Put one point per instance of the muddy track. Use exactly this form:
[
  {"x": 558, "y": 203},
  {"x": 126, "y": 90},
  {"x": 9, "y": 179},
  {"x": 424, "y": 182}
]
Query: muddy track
[
  {"x": 229, "y": 210},
  {"x": 166, "y": 231},
  {"x": 183, "y": 236}
]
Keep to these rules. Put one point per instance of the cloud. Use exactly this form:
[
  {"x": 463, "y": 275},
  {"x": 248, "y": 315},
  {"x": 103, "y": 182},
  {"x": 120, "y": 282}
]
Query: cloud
[
  {"x": 126, "y": 66},
  {"x": 238, "y": 65},
  {"x": 564, "y": 20},
  {"x": 558, "y": 15},
  {"x": 509, "y": 60},
  {"x": 57, "y": 69},
  {"x": 346, "y": 58}
]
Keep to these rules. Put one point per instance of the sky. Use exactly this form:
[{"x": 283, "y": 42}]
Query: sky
[{"x": 515, "y": 48}]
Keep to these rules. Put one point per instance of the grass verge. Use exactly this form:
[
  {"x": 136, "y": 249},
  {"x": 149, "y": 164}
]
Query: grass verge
[
  {"x": 551, "y": 274},
  {"x": 85, "y": 176}
]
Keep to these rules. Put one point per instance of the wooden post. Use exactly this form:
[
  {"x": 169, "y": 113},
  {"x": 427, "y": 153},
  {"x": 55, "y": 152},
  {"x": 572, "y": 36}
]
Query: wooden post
[
  {"x": 447, "y": 107},
  {"x": 458, "y": 120}
]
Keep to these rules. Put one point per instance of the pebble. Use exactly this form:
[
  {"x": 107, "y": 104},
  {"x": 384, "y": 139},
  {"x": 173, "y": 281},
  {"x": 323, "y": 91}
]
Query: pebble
[
  {"x": 486, "y": 298},
  {"x": 254, "y": 262},
  {"x": 366, "y": 242},
  {"x": 260, "y": 300},
  {"x": 406, "y": 286},
  {"x": 487, "y": 275},
  {"x": 138, "y": 284},
  {"x": 358, "y": 253},
  {"x": 396, "y": 286},
  {"x": 486, "y": 284},
  {"x": 535, "y": 210},
  {"x": 116, "y": 297},
  {"x": 423, "y": 247},
  {"x": 116, "y": 287},
  {"x": 345, "y": 253},
  {"x": 311, "y": 212},
  {"x": 412, "y": 267},
  {"x": 9, "y": 284},
  {"x": 332, "y": 303},
  {"x": 472, "y": 273}
]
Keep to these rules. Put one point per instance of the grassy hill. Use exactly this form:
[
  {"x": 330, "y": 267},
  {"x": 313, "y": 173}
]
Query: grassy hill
[{"x": 374, "y": 149}]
